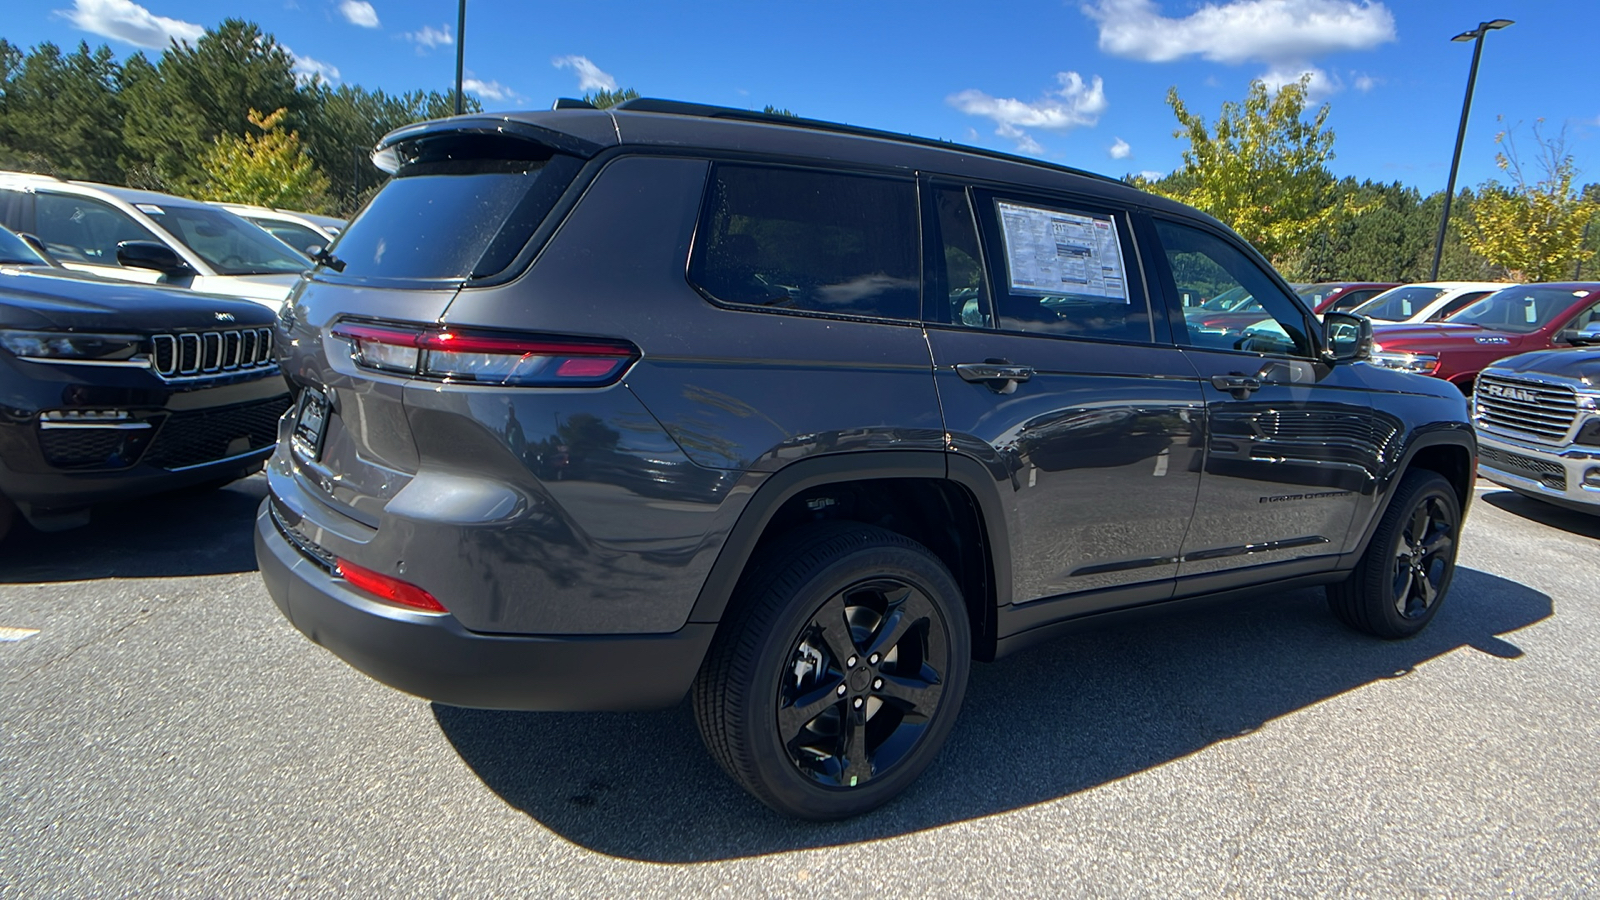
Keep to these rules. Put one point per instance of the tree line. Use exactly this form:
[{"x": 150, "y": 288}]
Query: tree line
[
  {"x": 167, "y": 125},
  {"x": 1262, "y": 167},
  {"x": 228, "y": 118}
]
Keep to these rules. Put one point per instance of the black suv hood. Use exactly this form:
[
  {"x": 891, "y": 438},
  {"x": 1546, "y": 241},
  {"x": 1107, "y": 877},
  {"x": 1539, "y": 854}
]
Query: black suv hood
[
  {"x": 1577, "y": 363},
  {"x": 35, "y": 297}
]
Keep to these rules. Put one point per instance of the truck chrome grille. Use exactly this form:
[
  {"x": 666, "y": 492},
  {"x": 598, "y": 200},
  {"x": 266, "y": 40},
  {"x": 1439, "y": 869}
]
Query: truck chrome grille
[
  {"x": 204, "y": 354},
  {"x": 1544, "y": 412}
]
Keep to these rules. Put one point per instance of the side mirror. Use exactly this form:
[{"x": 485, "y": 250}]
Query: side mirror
[
  {"x": 1588, "y": 334},
  {"x": 1349, "y": 337},
  {"x": 151, "y": 255}
]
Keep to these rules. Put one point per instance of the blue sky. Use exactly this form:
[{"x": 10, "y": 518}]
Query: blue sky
[{"x": 1080, "y": 82}]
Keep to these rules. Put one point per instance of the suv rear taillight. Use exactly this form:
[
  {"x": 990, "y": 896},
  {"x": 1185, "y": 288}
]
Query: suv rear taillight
[{"x": 478, "y": 357}]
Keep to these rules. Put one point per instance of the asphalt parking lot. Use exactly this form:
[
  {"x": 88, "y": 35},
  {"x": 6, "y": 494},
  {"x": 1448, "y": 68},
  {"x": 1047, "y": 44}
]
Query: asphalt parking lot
[{"x": 164, "y": 732}]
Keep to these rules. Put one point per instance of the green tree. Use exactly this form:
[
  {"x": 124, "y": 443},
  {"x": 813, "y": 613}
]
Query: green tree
[
  {"x": 1262, "y": 168},
  {"x": 346, "y": 122},
  {"x": 1533, "y": 228},
  {"x": 61, "y": 114},
  {"x": 605, "y": 99},
  {"x": 205, "y": 90},
  {"x": 771, "y": 110},
  {"x": 269, "y": 169}
]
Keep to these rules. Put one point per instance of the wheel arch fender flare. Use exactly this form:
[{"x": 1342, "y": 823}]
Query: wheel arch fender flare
[
  {"x": 802, "y": 475},
  {"x": 1452, "y": 435}
]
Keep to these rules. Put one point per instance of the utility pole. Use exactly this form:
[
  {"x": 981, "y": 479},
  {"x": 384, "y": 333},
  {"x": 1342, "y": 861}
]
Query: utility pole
[
  {"x": 461, "y": 51},
  {"x": 1461, "y": 131}
]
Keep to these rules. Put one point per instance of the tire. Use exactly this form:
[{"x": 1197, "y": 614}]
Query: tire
[
  {"x": 841, "y": 636},
  {"x": 1402, "y": 578}
]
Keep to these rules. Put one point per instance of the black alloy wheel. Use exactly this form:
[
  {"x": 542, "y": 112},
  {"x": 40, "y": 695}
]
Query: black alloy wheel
[
  {"x": 1423, "y": 557},
  {"x": 863, "y": 682},
  {"x": 838, "y": 672},
  {"x": 1397, "y": 587}
]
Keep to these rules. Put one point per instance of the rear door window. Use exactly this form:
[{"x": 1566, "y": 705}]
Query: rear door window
[
  {"x": 811, "y": 241},
  {"x": 459, "y": 207},
  {"x": 1061, "y": 269}
]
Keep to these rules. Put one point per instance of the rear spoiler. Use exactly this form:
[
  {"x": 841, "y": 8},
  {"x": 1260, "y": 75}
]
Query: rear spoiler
[{"x": 386, "y": 157}]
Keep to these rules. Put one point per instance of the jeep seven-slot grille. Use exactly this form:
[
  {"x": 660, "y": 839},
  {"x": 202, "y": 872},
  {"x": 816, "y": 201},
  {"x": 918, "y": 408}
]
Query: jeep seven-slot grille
[
  {"x": 202, "y": 354},
  {"x": 1550, "y": 474},
  {"x": 1526, "y": 408}
]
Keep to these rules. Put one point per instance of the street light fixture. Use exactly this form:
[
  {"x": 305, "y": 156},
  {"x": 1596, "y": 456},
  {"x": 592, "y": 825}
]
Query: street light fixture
[{"x": 1475, "y": 35}]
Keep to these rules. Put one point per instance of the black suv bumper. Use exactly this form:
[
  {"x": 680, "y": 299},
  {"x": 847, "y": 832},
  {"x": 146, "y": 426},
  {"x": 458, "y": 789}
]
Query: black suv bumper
[{"x": 433, "y": 656}]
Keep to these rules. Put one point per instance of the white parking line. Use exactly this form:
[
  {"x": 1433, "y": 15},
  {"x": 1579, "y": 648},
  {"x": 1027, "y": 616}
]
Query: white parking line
[{"x": 9, "y": 635}]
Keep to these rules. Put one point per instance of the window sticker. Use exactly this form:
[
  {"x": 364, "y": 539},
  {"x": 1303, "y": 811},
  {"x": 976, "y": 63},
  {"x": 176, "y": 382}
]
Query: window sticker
[
  {"x": 1049, "y": 253},
  {"x": 149, "y": 208}
]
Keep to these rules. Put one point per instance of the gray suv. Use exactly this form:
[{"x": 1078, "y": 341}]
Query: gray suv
[{"x": 600, "y": 409}]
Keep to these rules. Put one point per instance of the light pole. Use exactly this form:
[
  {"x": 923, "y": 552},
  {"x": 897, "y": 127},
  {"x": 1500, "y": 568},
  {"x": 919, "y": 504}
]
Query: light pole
[
  {"x": 461, "y": 49},
  {"x": 1461, "y": 132}
]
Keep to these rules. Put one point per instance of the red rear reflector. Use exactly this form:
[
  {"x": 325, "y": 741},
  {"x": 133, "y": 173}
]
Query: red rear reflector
[
  {"x": 589, "y": 367},
  {"x": 392, "y": 589}
]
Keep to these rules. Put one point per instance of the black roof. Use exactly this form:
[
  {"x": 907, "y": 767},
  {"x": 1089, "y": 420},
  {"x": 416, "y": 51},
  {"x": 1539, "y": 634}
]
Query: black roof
[{"x": 579, "y": 129}]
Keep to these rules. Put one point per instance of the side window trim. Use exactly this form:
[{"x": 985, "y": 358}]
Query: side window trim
[
  {"x": 935, "y": 274},
  {"x": 982, "y": 198},
  {"x": 1180, "y": 330}
]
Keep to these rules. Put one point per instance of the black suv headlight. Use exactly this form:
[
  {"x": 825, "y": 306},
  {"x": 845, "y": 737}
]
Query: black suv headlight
[{"x": 74, "y": 347}]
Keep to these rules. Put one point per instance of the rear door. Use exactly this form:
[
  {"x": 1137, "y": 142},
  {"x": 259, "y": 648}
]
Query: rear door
[
  {"x": 1289, "y": 440},
  {"x": 1053, "y": 374}
]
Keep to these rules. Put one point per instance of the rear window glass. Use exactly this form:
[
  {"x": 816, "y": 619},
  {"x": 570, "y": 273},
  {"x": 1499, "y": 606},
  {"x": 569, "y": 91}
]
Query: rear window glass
[
  {"x": 807, "y": 240},
  {"x": 448, "y": 214}
]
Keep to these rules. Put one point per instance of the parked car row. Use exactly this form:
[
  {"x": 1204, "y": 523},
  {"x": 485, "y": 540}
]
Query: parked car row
[
  {"x": 132, "y": 235},
  {"x": 113, "y": 389}
]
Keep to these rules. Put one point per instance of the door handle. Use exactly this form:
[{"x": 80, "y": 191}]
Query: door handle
[
  {"x": 1240, "y": 386},
  {"x": 1000, "y": 375}
]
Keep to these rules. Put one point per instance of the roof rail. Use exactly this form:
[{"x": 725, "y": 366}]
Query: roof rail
[
  {"x": 708, "y": 111},
  {"x": 9, "y": 172}
]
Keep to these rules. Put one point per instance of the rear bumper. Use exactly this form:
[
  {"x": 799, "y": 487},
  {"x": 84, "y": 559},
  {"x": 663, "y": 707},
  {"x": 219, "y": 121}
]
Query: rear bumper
[{"x": 433, "y": 656}]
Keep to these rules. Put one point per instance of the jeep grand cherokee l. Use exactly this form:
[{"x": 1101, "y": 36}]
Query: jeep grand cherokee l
[
  {"x": 110, "y": 390},
  {"x": 600, "y": 408}
]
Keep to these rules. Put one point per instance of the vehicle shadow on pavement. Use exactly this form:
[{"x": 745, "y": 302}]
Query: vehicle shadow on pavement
[
  {"x": 1569, "y": 520},
  {"x": 170, "y": 535},
  {"x": 1059, "y": 718}
]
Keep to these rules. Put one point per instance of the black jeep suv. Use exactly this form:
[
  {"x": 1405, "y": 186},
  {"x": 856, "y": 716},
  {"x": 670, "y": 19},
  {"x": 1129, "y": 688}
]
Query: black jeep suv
[
  {"x": 600, "y": 408},
  {"x": 111, "y": 390}
]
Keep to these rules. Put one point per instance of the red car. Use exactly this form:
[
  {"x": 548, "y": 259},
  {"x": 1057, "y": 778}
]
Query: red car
[
  {"x": 1341, "y": 296},
  {"x": 1511, "y": 321}
]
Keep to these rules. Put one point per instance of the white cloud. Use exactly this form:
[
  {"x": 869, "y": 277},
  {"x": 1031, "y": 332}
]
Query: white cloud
[
  {"x": 307, "y": 70},
  {"x": 1120, "y": 150},
  {"x": 1284, "y": 34},
  {"x": 488, "y": 90},
  {"x": 590, "y": 78},
  {"x": 1075, "y": 103},
  {"x": 1365, "y": 83},
  {"x": 126, "y": 21},
  {"x": 1151, "y": 175},
  {"x": 359, "y": 12},
  {"x": 430, "y": 37}
]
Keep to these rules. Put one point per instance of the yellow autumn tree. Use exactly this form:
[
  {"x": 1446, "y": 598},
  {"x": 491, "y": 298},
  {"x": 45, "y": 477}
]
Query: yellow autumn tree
[
  {"x": 1533, "y": 229},
  {"x": 1261, "y": 168},
  {"x": 269, "y": 168}
]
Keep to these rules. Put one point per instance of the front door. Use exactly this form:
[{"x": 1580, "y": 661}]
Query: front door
[
  {"x": 1290, "y": 442},
  {"x": 1052, "y": 373}
]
